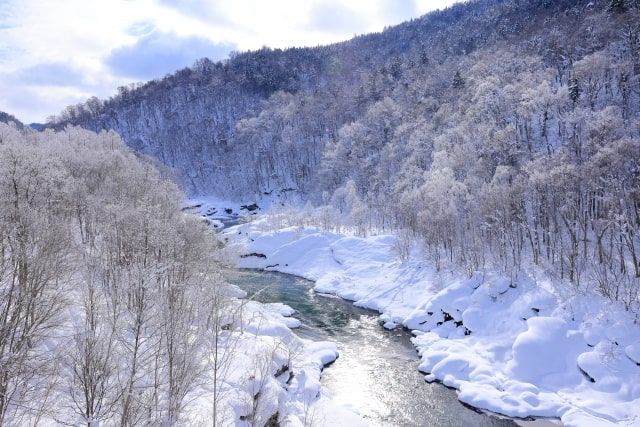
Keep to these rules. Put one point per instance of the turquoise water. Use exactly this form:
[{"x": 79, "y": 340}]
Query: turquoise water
[{"x": 376, "y": 373}]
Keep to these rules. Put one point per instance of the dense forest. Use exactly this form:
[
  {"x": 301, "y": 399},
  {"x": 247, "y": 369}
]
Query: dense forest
[
  {"x": 110, "y": 299},
  {"x": 499, "y": 132},
  {"x": 113, "y": 307}
]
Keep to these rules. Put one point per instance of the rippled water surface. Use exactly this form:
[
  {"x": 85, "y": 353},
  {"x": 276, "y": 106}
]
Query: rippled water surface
[{"x": 376, "y": 372}]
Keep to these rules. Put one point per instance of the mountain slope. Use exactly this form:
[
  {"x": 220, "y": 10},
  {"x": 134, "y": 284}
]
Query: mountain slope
[
  {"x": 189, "y": 119},
  {"x": 502, "y": 133},
  {"x": 8, "y": 118}
]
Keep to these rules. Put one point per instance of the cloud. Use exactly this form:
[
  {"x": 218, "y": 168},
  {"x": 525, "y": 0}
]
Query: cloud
[
  {"x": 141, "y": 28},
  {"x": 4, "y": 54},
  {"x": 85, "y": 48},
  {"x": 7, "y": 14},
  {"x": 49, "y": 74},
  {"x": 209, "y": 10},
  {"x": 33, "y": 104},
  {"x": 335, "y": 17},
  {"x": 395, "y": 11},
  {"x": 160, "y": 53},
  {"x": 360, "y": 16}
]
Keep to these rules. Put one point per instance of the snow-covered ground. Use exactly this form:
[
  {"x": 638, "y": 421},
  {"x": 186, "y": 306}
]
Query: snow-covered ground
[
  {"x": 268, "y": 371},
  {"x": 518, "y": 346},
  {"x": 217, "y": 210}
]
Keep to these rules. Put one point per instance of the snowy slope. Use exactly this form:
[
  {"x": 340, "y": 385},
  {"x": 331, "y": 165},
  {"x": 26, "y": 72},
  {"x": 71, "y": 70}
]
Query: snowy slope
[{"x": 517, "y": 346}]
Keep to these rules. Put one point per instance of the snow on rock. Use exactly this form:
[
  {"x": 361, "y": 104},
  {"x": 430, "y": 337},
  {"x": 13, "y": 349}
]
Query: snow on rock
[
  {"x": 605, "y": 364},
  {"x": 212, "y": 207},
  {"x": 267, "y": 371},
  {"x": 216, "y": 223},
  {"x": 546, "y": 353},
  {"x": 390, "y": 325},
  {"x": 283, "y": 313},
  {"x": 444, "y": 306},
  {"x": 324, "y": 352},
  {"x": 633, "y": 352},
  {"x": 280, "y": 308},
  {"x": 390, "y": 322},
  {"x": 515, "y": 345},
  {"x": 265, "y": 242}
]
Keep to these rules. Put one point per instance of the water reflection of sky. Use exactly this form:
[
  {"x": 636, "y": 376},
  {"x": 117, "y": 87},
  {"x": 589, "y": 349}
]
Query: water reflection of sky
[{"x": 376, "y": 373}]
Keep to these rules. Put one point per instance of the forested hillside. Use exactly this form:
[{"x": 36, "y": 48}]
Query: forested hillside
[
  {"x": 107, "y": 290},
  {"x": 113, "y": 310},
  {"x": 8, "y": 118},
  {"x": 501, "y": 132}
]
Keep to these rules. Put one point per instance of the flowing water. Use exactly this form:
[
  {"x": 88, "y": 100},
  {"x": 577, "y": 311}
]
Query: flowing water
[{"x": 376, "y": 372}]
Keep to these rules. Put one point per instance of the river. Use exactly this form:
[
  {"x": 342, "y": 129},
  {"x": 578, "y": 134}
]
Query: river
[{"x": 376, "y": 372}]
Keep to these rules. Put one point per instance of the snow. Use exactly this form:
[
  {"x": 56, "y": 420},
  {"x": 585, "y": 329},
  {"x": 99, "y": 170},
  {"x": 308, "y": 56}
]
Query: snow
[
  {"x": 218, "y": 211},
  {"x": 519, "y": 345},
  {"x": 633, "y": 352},
  {"x": 545, "y": 352},
  {"x": 273, "y": 365}
]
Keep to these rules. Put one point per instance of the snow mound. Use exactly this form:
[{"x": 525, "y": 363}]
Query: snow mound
[
  {"x": 546, "y": 353},
  {"x": 633, "y": 352}
]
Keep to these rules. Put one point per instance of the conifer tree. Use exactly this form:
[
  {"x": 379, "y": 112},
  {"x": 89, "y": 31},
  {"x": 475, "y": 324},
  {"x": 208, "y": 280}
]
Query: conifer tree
[
  {"x": 458, "y": 81},
  {"x": 574, "y": 89}
]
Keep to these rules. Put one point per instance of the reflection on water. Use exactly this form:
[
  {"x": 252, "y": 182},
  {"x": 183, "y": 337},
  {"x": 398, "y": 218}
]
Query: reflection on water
[{"x": 376, "y": 372}]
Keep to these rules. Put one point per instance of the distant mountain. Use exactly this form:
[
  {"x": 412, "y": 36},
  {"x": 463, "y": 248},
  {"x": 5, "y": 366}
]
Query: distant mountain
[{"x": 6, "y": 118}]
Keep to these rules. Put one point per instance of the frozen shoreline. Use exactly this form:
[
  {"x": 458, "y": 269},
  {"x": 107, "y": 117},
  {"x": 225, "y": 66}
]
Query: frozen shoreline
[
  {"x": 509, "y": 347},
  {"x": 271, "y": 372}
]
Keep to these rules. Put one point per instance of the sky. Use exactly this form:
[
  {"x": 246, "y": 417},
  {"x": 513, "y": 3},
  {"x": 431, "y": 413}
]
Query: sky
[{"x": 55, "y": 53}]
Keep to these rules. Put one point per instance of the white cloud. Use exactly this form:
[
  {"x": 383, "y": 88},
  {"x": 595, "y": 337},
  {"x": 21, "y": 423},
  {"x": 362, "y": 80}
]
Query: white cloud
[
  {"x": 335, "y": 18},
  {"x": 58, "y": 52},
  {"x": 157, "y": 54},
  {"x": 49, "y": 74}
]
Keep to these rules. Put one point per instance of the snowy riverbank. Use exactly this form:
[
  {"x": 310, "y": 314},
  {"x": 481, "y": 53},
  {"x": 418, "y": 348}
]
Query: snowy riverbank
[
  {"x": 266, "y": 372},
  {"x": 517, "y": 347},
  {"x": 269, "y": 373}
]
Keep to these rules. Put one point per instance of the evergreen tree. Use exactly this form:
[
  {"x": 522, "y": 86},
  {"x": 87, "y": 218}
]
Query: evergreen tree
[
  {"x": 458, "y": 81},
  {"x": 423, "y": 55},
  {"x": 395, "y": 67},
  {"x": 574, "y": 89}
]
